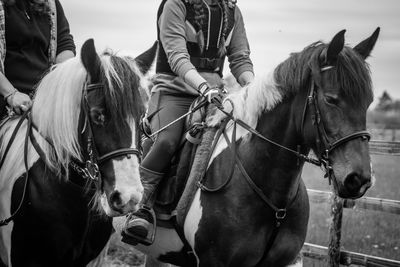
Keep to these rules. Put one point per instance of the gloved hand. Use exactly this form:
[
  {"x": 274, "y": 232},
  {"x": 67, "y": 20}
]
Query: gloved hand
[
  {"x": 213, "y": 95},
  {"x": 19, "y": 102}
]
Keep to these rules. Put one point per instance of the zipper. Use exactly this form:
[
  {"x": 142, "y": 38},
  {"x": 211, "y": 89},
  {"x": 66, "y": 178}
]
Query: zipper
[
  {"x": 222, "y": 24},
  {"x": 209, "y": 25}
]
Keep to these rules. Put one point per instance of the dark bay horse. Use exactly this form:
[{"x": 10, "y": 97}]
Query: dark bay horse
[
  {"x": 315, "y": 100},
  {"x": 74, "y": 161}
]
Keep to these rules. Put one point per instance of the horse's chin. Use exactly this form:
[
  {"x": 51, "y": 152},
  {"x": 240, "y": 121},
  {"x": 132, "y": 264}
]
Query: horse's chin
[
  {"x": 343, "y": 193},
  {"x": 116, "y": 213}
]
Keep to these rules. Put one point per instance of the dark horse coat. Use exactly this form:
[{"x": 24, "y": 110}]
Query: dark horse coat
[
  {"x": 316, "y": 100},
  {"x": 81, "y": 145}
]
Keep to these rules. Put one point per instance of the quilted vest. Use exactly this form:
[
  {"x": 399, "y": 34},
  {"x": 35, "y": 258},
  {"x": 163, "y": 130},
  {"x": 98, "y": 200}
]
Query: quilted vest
[
  {"x": 53, "y": 34},
  {"x": 208, "y": 60}
]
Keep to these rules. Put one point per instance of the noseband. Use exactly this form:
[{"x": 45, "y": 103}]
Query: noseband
[
  {"x": 323, "y": 144},
  {"x": 91, "y": 170}
]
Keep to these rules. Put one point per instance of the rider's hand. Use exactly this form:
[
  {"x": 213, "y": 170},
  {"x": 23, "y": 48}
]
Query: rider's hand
[
  {"x": 213, "y": 95},
  {"x": 19, "y": 102}
]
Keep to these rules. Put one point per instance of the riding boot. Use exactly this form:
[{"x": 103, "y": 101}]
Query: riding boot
[{"x": 140, "y": 226}]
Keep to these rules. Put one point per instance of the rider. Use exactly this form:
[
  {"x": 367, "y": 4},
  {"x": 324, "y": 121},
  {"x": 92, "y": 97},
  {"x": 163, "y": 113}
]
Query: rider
[
  {"x": 194, "y": 38},
  {"x": 34, "y": 34}
]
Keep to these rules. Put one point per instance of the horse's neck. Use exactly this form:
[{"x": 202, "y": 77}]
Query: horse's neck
[{"x": 275, "y": 170}]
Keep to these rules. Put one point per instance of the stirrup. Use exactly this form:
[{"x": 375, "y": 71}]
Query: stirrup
[{"x": 132, "y": 238}]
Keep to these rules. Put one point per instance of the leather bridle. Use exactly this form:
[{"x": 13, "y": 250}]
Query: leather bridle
[
  {"x": 324, "y": 145},
  {"x": 91, "y": 169}
]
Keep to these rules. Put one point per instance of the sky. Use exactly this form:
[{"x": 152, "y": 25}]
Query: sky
[{"x": 275, "y": 28}]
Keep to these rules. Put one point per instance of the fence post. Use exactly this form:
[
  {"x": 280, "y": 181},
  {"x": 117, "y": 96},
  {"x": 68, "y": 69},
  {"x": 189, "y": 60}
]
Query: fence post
[{"x": 335, "y": 231}]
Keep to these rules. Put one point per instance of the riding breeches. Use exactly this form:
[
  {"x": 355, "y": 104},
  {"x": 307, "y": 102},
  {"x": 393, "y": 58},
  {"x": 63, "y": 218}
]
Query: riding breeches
[{"x": 164, "y": 108}]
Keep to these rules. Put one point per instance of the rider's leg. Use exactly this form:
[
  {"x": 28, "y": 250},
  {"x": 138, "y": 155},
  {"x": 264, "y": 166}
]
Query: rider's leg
[{"x": 158, "y": 158}]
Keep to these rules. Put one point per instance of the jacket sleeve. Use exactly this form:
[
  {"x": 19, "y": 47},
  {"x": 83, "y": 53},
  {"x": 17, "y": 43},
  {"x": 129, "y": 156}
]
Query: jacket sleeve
[
  {"x": 173, "y": 37},
  {"x": 238, "y": 50},
  {"x": 65, "y": 41}
]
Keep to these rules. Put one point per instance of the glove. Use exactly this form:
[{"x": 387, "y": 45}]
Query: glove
[{"x": 213, "y": 95}]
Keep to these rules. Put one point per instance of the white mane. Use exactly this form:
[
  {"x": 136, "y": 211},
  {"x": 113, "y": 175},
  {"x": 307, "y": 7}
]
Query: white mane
[
  {"x": 250, "y": 101},
  {"x": 56, "y": 111}
]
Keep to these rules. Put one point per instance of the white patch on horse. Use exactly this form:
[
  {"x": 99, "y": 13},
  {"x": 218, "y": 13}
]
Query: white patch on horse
[
  {"x": 247, "y": 104},
  {"x": 13, "y": 167},
  {"x": 192, "y": 221},
  {"x": 127, "y": 177}
]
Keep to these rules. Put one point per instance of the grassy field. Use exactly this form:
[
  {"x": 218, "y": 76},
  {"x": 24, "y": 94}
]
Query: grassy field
[{"x": 368, "y": 232}]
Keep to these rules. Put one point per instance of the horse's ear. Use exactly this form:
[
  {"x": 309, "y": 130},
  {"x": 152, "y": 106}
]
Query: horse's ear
[
  {"x": 365, "y": 47},
  {"x": 145, "y": 60},
  {"x": 91, "y": 61},
  {"x": 334, "y": 48}
]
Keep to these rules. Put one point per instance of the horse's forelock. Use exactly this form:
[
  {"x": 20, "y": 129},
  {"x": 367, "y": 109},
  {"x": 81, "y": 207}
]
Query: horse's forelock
[
  {"x": 123, "y": 82},
  {"x": 353, "y": 75}
]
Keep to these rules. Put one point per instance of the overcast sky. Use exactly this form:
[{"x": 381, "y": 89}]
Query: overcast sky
[{"x": 275, "y": 28}]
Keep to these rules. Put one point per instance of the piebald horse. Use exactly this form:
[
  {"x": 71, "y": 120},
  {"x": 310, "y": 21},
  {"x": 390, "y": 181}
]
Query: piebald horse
[
  {"x": 315, "y": 100},
  {"x": 73, "y": 162}
]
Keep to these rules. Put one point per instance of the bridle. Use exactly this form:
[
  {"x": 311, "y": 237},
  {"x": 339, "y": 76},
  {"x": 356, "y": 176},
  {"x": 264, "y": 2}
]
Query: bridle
[
  {"x": 91, "y": 170},
  {"x": 324, "y": 150},
  {"x": 324, "y": 145}
]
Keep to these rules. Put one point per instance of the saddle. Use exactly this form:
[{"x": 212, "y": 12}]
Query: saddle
[{"x": 172, "y": 186}]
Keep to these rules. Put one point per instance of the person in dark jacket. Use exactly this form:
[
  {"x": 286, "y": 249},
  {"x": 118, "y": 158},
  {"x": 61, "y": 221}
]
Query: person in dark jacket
[
  {"x": 194, "y": 38},
  {"x": 34, "y": 35}
]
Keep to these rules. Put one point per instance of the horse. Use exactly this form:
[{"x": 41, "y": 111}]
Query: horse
[
  {"x": 71, "y": 163},
  {"x": 252, "y": 208}
]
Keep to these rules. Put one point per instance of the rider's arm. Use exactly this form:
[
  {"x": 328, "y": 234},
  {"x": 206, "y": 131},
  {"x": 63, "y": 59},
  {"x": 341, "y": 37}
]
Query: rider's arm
[
  {"x": 173, "y": 39},
  {"x": 65, "y": 41},
  {"x": 238, "y": 52},
  {"x": 18, "y": 101},
  {"x": 6, "y": 88}
]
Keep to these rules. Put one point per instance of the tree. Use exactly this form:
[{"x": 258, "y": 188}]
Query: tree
[{"x": 385, "y": 102}]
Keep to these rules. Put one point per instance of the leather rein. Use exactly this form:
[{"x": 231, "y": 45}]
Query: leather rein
[{"x": 324, "y": 147}]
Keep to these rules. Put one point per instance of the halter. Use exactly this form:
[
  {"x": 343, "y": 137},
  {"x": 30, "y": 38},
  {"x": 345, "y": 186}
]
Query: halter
[{"x": 91, "y": 170}]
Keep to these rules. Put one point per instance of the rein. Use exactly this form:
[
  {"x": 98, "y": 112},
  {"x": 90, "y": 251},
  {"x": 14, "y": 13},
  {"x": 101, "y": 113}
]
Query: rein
[{"x": 322, "y": 160}]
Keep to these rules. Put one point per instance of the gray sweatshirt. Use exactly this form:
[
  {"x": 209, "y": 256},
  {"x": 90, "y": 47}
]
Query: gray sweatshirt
[{"x": 174, "y": 34}]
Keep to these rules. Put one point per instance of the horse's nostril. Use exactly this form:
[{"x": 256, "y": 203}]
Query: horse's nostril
[
  {"x": 353, "y": 182},
  {"x": 115, "y": 199}
]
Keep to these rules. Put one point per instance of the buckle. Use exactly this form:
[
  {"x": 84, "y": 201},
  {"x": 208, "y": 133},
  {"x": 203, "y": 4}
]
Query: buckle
[
  {"x": 280, "y": 214},
  {"x": 92, "y": 170}
]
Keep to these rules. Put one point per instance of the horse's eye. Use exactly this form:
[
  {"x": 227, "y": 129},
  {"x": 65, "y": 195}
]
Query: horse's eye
[
  {"x": 332, "y": 100},
  {"x": 98, "y": 116}
]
